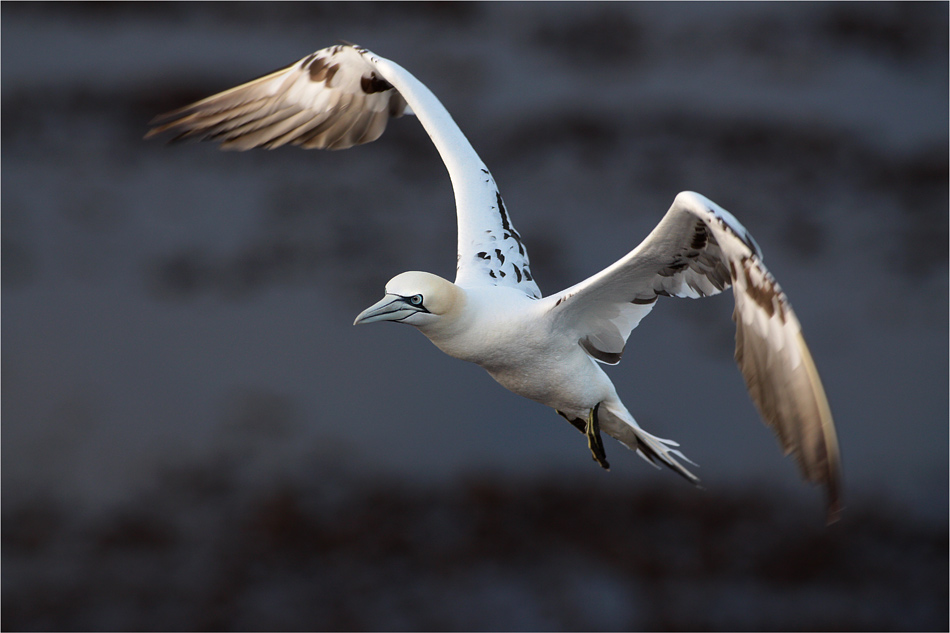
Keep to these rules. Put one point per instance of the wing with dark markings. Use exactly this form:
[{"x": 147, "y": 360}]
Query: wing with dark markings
[
  {"x": 343, "y": 96},
  {"x": 331, "y": 99},
  {"x": 697, "y": 250}
]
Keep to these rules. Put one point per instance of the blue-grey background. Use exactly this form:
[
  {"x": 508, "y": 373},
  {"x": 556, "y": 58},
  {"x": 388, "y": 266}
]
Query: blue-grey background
[{"x": 194, "y": 436}]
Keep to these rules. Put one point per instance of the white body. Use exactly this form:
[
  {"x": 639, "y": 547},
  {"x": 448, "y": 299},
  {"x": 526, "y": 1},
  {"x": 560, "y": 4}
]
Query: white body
[{"x": 515, "y": 340}]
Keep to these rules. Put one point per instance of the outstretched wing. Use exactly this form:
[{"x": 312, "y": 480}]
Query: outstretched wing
[
  {"x": 331, "y": 99},
  {"x": 343, "y": 96},
  {"x": 700, "y": 249}
]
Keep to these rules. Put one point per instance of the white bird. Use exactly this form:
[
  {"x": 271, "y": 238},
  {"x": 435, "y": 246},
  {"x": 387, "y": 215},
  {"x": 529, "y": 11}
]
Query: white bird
[{"x": 547, "y": 349}]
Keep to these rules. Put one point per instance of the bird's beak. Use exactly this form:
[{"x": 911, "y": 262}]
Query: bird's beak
[{"x": 389, "y": 308}]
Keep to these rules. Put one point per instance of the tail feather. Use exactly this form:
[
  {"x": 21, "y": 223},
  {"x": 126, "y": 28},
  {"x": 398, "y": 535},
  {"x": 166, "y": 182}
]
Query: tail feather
[{"x": 617, "y": 422}]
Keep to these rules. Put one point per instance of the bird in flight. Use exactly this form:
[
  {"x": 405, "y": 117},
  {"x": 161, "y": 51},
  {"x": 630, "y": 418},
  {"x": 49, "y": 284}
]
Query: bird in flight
[{"x": 549, "y": 349}]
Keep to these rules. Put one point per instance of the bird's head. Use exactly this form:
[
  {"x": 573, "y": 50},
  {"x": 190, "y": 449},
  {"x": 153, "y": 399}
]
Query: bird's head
[{"x": 420, "y": 299}]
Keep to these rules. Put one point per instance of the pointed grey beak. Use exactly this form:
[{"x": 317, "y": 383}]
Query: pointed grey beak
[{"x": 389, "y": 308}]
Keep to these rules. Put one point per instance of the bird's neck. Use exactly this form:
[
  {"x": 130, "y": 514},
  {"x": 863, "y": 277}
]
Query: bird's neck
[{"x": 452, "y": 332}]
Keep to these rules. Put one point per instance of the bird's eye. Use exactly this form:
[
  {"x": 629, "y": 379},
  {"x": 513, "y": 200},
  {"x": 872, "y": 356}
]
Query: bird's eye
[{"x": 416, "y": 300}]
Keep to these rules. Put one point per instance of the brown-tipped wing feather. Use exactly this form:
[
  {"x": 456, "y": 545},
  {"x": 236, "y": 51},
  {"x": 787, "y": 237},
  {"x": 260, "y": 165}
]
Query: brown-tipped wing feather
[
  {"x": 786, "y": 389},
  {"x": 699, "y": 249},
  {"x": 331, "y": 99}
]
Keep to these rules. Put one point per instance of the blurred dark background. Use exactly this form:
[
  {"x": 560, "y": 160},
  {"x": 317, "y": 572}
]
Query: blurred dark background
[{"x": 194, "y": 436}]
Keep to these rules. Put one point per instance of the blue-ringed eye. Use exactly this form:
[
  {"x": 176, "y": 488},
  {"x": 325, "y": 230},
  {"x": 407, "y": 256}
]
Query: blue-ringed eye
[{"x": 416, "y": 300}]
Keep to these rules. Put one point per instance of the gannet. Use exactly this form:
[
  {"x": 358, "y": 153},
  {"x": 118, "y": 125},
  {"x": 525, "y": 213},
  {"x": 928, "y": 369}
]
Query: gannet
[{"x": 549, "y": 349}]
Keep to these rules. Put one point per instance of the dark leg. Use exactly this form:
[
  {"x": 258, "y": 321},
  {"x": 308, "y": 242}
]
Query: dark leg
[{"x": 594, "y": 441}]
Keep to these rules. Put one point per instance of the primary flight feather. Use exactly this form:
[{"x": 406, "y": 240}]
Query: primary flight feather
[{"x": 547, "y": 349}]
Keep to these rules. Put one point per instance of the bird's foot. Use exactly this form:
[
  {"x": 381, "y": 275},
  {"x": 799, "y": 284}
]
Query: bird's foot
[{"x": 594, "y": 441}]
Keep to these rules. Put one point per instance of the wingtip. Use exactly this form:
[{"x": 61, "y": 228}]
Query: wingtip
[
  {"x": 164, "y": 122},
  {"x": 833, "y": 491},
  {"x": 831, "y": 475},
  {"x": 152, "y": 132}
]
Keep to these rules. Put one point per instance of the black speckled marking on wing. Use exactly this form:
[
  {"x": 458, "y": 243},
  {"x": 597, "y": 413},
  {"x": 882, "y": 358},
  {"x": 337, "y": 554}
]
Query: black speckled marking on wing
[
  {"x": 700, "y": 235},
  {"x": 702, "y": 257},
  {"x": 768, "y": 296},
  {"x": 373, "y": 83},
  {"x": 506, "y": 224},
  {"x": 320, "y": 70},
  {"x": 503, "y": 256}
]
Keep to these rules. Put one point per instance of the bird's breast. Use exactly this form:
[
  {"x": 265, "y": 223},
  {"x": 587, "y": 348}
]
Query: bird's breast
[{"x": 525, "y": 353}]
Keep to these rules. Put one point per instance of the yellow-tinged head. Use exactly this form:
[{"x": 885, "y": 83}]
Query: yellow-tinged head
[{"x": 416, "y": 298}]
